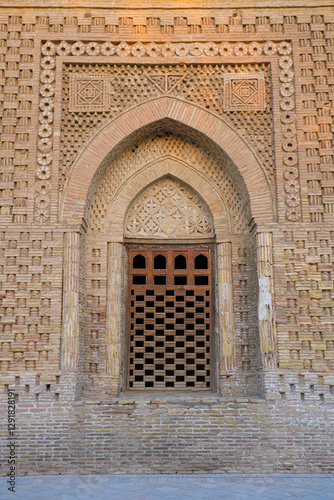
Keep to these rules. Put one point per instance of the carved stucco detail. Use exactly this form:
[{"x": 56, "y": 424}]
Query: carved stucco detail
[{"x": 168, "y": 209}]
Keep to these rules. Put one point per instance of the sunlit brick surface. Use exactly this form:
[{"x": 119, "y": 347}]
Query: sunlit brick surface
[{"x": 233, "y": 104}]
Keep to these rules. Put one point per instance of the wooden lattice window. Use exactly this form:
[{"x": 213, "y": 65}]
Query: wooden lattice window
[{"x": 170, "y": 318}]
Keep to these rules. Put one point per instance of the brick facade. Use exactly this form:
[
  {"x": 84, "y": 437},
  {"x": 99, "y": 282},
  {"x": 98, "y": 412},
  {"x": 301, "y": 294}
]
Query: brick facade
[{"x": 98, "y": 105}]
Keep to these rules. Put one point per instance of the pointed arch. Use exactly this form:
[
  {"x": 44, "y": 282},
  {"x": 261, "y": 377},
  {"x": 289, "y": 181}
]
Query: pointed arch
[
  {"x": 200, "y": 186},
  {"x": 146, "y": 118},
  {"x": 167, "y": 209}
]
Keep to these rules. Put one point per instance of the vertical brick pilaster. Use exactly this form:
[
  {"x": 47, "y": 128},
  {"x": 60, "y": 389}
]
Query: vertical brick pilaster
[
  {"x": 225, "y": 307},
  {"x": 267, "y": 324},
  {"x": 115, "y": 308},
  {"x": 70, "y": 314}
]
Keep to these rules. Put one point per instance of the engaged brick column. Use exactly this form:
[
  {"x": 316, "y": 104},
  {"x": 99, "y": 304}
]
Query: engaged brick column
[
  {"x": 70, "y": 315},
  {"x": 115, "y": 308},
  {"x": 225, "y": 307},
  {"x": 267, "y": 324}
]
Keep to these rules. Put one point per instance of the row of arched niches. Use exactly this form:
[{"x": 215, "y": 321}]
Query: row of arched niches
[
  {"x": 179, "y": 261},
  {"x": 160, "y": 197}
]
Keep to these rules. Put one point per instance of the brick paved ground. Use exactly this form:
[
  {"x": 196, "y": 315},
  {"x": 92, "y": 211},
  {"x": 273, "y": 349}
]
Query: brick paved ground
[{"x": 173, "y": 487}]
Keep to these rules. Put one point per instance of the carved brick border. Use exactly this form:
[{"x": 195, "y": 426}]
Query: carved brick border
[
  {"x": 289, "y": 144},
  {"x": 157, "y": 52}
]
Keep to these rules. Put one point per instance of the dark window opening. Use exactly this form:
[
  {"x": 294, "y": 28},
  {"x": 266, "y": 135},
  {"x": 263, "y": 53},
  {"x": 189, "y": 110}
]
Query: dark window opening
[
  {"x": 201, "y": 280},
  {"x": 138, "y": 279},
  {"x": 169, "y": 319},
  {"x": 201, "y": 262},
  {"x": 180, "y": 262},
  {"x": 159, "y": 262},
  {"x": 139, "y": 262},
  {"x": 180, "y": 280},
  {"x": 160, "y": 280}
]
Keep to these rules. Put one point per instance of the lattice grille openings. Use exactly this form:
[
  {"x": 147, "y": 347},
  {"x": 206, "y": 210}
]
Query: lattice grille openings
[{"x": 170, "y": 319}]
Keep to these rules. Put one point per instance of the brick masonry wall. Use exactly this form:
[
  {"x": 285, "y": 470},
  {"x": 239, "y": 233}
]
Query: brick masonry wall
[
  {"x": 291, "y": 428},
  {"x": 154, "y": 434}
]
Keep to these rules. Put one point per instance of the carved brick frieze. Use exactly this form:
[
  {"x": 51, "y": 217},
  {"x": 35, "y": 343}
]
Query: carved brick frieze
[
  {"x": 199, "y": 84},
  {"x": 168, "y": 209},
  {"x": 148, "y": 151}
]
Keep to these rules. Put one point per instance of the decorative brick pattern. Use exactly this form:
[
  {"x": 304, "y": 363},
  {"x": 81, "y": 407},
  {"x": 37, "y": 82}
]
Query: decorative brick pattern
[
  {"x": 166, "y": 82},
  {"x": 200, "y": 84},
  {"x": 89, "y": 93},
  {"x": 168, "y": 210},
  {"x": 16, "y": 73},
  {"x": 95, "y": 106},
  {"x": 152, "y": 149},
  {"x": 244, "y": 92},
  {"x": 30, "y": 283},
  {"x": 307, "y": 341},
  {"x": 316, "y": 58},
  {"x": 289, "y": 144}
]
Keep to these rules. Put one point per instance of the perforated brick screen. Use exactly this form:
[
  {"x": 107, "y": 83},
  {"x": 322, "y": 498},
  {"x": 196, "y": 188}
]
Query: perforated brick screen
[{"x": 170, "y": 318}]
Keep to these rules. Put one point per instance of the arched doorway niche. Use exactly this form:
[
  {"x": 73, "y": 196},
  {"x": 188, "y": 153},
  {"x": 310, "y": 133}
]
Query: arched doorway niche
[
  {"x": 163, "y": 115},
  {"x": 237, "y": 343}
]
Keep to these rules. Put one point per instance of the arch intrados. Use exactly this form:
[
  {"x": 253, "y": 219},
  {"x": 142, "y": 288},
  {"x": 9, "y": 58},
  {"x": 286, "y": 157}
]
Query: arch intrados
[
  {"x": 206, "y": 191},
  {"x": 164, "y": 113}
]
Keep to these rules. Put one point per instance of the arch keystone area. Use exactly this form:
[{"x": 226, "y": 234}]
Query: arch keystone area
[{"x": 146, "y": 116}]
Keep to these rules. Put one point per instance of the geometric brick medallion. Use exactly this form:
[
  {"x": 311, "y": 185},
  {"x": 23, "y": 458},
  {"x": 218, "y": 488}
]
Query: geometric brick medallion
[
  {"x": 244, "y": 92},
  {"x": 89, "y": 93}
]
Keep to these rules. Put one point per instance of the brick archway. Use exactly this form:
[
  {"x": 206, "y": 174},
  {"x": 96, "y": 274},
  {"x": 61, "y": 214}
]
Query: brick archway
[
  {"x": 168, "y": 166},
  {"x": 145, "y": 118}
]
